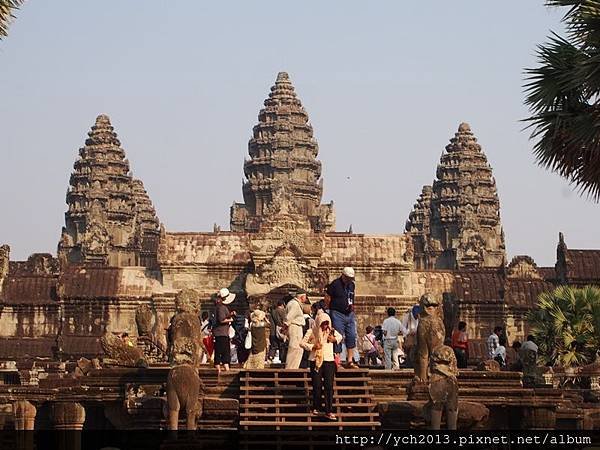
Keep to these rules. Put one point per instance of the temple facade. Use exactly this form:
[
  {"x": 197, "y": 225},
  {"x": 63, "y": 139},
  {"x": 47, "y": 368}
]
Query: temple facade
[{"x": 114, "y": 257}]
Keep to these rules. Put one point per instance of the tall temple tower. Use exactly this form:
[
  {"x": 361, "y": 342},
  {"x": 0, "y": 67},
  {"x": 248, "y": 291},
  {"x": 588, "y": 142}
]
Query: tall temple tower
[
  {"x": 455, "y": 224},
  {"x": 110, "y": 220},
  {"x": 283, "y": 156}
]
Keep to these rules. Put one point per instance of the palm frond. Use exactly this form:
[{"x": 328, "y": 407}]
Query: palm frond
[{"x": 7, "y": 7}]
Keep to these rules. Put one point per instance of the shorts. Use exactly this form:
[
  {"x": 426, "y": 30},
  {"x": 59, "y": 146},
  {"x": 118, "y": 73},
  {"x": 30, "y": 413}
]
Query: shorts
[{"x": 345, "y": 324}]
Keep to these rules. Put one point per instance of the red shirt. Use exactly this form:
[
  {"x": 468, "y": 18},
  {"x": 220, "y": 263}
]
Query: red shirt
[{"x": 460, "y": 339}]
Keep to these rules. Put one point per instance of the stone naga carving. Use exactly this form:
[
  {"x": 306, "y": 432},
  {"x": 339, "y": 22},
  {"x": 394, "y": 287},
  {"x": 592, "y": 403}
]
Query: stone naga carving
[
  {"x": 443, "y": 388},
  {"x": 430, "y": 334},
  {"x": 119, "y": 353},
  {"x": 183, "y": 382}
]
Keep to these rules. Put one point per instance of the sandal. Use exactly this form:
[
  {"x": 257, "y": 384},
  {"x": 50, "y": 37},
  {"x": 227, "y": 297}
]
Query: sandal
[
  {"x": 352, "y": 365},
  {"x": 316, "y": 412},
  {"x": 331, "y": 417}
]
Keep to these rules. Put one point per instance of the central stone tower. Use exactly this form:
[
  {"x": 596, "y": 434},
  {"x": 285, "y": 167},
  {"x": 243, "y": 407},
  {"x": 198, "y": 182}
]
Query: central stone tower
[{"x": 283, "y": 158}]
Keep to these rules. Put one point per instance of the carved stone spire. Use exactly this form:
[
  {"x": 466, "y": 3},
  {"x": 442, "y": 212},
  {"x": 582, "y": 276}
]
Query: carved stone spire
[
  {"x": 418, "y": 226},
  {"x": 462, "y": 227},
  {"x": 104, "y": 222},
  {"x": 282, "y": 153}
]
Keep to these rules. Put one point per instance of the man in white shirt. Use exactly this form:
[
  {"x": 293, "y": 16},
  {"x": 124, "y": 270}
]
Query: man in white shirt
[
  {"x": 493, "y": 343},
  {"x": 294, "y": 322},
  {"x": 391, "y": 327}
]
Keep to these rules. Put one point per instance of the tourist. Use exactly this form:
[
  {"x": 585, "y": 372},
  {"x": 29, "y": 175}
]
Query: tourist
[
  {"x": 258, "y": 333},
  {"x": 308, "y": 324},
  {"x": 410, "y": 322},
  {"x": 499, "y": 354},
  {"x": 204, "y": 333},
  {"x": 320, "y": 340},
  {"x": 223, "y": 319},
  {"x": 460, "y": 345},
  {"x": 277, "y": 340},
  {"x": 340, "y": 293},
  {"x": 242, "y": 332},
  {"x": 370, "y": 347},
  {"x": 294, "y": 321},
  {"x": 517, "y": 364},
  {"x": 392, "y": 328},
  {"x": 530, "y": 344},
  {"x": 127, "y": 340},
  {"x": 493, "y": 341}
]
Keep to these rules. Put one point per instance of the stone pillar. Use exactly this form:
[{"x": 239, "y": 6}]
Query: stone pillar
[
  {"x": 68, "y": 417},
  {"x": 24, "y": 415}
]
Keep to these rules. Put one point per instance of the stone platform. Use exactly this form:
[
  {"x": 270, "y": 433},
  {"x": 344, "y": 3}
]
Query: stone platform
[{"x": 128, "y": 398}]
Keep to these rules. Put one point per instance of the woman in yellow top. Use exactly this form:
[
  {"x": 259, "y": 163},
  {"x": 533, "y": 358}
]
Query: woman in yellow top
[{"x": 319, "y": 341}]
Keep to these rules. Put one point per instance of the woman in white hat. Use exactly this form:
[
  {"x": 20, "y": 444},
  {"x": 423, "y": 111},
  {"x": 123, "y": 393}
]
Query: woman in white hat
[{"x": 224, "y": 317}]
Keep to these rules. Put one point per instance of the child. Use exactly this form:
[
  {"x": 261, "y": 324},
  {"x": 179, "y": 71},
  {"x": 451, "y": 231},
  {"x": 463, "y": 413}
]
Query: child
[
  {"x": 369, "y": 345},
  {"x": 319, "y": 341},
  {"x": 258, "y": 332}
]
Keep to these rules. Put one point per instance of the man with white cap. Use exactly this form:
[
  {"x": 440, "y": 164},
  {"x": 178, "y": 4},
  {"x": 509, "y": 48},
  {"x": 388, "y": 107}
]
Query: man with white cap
[
  {"x": 223, "y": 319},
  {"x": 341, "y": 306}
]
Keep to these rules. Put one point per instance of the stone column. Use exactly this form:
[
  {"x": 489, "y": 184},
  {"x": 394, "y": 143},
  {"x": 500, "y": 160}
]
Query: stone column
[
  {"x": 68, "y": 417},
  {"x": 24, "y": 415}
]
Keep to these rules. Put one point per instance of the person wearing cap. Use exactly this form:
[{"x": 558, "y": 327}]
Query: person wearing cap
[
  {"x": 410, "y": 322},
  {"x": 294, "y": 323},
  {"x": 223, "y": 319},
  {"x": 341, "y": 306}
]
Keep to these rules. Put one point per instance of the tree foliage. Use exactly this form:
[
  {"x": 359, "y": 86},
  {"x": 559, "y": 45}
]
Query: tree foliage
[
  {"x": 563, "y": 93},
  {"x": 7, "y": 7},
  {"x": 566, "y": 325}
]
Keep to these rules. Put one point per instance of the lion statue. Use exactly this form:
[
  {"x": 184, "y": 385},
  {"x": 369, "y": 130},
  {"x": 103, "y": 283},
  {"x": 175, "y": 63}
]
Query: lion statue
[
  {"x": 430, "y": 334},
  {"x": 183, "y": 382},
  {"x": 443, "y": 388}
]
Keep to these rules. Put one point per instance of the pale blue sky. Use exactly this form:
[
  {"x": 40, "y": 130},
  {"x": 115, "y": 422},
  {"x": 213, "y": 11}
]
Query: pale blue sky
[{"x": 385, "y": 85}]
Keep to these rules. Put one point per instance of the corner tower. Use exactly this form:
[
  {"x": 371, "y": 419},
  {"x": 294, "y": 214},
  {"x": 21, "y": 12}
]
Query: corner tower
[
  {"x": 283, "y": 157},
  {"x": 456, "y": 222}
]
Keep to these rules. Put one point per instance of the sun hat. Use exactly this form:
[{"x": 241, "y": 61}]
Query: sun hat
[
  {"x": 227, "y": 296},
  {"x": 349, "y": 272}
]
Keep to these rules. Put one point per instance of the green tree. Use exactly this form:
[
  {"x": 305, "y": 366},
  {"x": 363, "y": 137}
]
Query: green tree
[
  {"x": 7, "y": 7},
  {"x": 566, "y": 325},
  {"x": 563, "y": 95}
]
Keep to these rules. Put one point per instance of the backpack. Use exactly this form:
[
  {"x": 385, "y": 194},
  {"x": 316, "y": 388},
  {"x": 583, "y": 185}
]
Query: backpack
[{"x": 212, "y": 322}]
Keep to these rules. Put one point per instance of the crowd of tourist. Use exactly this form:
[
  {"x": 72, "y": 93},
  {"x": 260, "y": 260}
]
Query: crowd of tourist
[{"x": 323, "y": 336}]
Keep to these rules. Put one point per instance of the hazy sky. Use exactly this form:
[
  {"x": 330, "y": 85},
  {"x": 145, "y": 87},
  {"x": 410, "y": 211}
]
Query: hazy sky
[{"x": 385, "y": 85}]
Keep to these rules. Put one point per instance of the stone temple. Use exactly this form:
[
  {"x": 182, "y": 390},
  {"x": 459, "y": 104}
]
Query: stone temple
[{"x": 116, "y": 263}]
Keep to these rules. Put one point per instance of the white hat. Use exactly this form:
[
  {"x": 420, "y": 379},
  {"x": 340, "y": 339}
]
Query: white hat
[
  {"x": 349, "y": 272},
  {"x": 227, "y": 296}
]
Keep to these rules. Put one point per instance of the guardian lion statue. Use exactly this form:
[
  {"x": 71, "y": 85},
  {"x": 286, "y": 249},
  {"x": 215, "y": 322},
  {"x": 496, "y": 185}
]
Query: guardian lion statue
[
  {"x": 183, "y": 383},
  {"x": 443, "y": 388},
  {"x": 430, "y": 334}
]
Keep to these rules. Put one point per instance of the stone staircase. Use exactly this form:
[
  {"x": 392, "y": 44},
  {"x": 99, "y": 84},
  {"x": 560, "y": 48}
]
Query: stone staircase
[{"x": 279, "y": 399}]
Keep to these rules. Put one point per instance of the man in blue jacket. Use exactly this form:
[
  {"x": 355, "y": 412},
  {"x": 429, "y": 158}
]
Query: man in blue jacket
[{"x": 341, "y": 306}]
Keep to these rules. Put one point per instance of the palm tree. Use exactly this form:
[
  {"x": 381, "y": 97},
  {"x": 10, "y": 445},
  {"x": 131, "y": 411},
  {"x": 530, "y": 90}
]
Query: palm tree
[
  {"x": 567, "y": 325},
  {"x": 563, "y": 96},
  {"x": 6, "y": 14}
]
